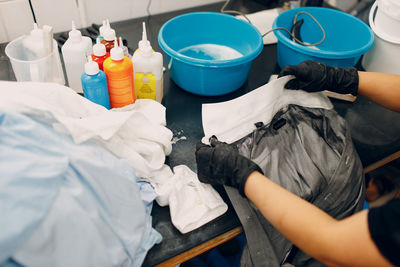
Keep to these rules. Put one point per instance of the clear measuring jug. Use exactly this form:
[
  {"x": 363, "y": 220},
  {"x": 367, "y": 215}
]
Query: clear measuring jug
[{"x": 29, "y": 65}]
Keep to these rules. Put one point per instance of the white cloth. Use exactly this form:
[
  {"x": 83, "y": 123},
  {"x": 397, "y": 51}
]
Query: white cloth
[
  {"x": 192, "y": 203},
  {"x": 231, "y": 120},
  {"x": 136, "y": 133},
  {"x": 263, "y": 20}
]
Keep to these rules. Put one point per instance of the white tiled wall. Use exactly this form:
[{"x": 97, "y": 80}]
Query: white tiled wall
[{"x": 16, "y": 18}]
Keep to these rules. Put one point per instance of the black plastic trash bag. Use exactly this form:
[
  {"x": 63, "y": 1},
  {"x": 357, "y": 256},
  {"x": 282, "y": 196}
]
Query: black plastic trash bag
[{"x": 309, "y": 152}]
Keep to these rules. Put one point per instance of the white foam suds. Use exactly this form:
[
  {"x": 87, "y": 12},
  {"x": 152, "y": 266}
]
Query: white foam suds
[{"x": 210, "y": 52}]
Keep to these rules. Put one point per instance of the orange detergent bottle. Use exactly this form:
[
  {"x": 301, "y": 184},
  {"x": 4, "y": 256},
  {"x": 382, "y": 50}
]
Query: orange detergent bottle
[{"x": 119, "y": 71}]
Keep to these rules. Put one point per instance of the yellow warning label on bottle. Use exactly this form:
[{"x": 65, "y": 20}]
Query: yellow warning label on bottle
[{"x": 145, "y": 85}]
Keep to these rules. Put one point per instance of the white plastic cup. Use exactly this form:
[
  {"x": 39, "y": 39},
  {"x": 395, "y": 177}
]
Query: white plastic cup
[{"x": 37, "y": 68}]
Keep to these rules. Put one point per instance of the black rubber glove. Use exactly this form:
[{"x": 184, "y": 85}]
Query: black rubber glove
[
  {"x": 221, "y": 163},
  {"x": 313, "y": 76}
]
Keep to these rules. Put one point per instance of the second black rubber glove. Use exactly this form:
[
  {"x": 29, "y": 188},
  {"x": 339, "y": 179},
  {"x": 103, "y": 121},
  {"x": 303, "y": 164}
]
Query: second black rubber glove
[
  {"x": 220, "y": 163},
  {"x": 313, "y": 76}
]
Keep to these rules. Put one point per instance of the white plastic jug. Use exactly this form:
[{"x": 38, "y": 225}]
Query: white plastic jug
[
  {"x": 35, "y": 57},
  {"x": 385, "y": 53},
  {"x": 75, "y": 51},
  {"x": 387, "y": 17}
]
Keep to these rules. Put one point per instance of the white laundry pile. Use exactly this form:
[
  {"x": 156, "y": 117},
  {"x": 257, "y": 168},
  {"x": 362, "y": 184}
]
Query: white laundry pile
[
  {"x": 136, "y": 133},
  {"x": 64, "y": 204}
]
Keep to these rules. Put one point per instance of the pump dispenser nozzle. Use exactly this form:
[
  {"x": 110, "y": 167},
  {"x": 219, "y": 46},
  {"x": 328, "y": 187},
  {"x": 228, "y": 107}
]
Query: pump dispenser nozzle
[
  {"x": 144, "y": 44},
  {"x": 102, "y": 27},
  {"x": 144, "y": 33},
  {"x": 116, "y": 53},
  {"x": 99, "y": 49},
  {"x": 108, "y": 33},
  {"x": 74, "y": 34},
  {"x": 91, "y": 67}
]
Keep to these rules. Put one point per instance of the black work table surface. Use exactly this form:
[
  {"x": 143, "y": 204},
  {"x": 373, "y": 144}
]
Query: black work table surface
[
  {"x": 376, "y": 134},
  {"x": 375, "y": 130}
]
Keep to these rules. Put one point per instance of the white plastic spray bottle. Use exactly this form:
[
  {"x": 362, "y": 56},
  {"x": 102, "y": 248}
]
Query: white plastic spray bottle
[{"x": 148, "y": 68}]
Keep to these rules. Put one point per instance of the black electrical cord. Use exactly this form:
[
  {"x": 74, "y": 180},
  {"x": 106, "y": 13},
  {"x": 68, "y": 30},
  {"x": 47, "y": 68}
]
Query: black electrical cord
[
  {"x": 223, "y": 10},
  {"x": 33, "y": 12}
]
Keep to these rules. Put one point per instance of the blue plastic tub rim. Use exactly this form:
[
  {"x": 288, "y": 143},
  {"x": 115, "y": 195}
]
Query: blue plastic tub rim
[
  {"x": 321, "y": 53},
  {"x": 210, "y": 63}
]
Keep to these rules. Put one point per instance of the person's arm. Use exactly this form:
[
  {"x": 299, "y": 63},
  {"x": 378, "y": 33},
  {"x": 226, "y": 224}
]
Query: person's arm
[
  {"x": 313, "y": 76},
  {"x": 333, "y": 242},
  {"x": 382, "y": 88}
]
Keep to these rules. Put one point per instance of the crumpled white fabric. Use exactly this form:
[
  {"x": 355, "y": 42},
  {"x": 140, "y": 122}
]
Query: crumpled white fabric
[
  {"x": 136, "y": 133},
  {"x": 192, "y": 203},
  {"x": 263, "y": 20},
  {"x": 231, "y": 120}
]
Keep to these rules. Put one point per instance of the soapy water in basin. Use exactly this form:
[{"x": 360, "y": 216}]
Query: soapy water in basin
[{"x": 210, "y": 52}]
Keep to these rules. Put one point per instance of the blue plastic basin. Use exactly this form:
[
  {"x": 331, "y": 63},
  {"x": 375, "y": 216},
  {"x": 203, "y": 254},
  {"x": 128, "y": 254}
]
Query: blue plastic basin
[
  {"x": 347, "y": 37},
  {"x": 209, "y": 53}
]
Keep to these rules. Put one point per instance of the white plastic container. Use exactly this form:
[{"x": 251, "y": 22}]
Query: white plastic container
[
  {"x": 148, "y": 71},
  {"x": 387, "y": 18},
  {"x": 75, "y": 51},
  {"x": 35, "y": 57},
  {"x": 385, "y": 53}
]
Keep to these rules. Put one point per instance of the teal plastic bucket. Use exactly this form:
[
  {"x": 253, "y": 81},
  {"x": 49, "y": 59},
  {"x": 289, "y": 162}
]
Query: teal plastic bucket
[
  {"x": 209, "y": 53},
  {"x": 347, "y": 37}
]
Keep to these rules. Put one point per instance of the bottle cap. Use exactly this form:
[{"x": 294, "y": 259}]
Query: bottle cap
[
  {"x": 74, "y": 35},
  {"x": 108, "y": 33},
  {"x": 144, "y": 42},
  {"x": 91, "y": 67},
  {"x": 116, "y": 53},
  {"x": 99, "y": 49},
  {"x": 102, "y": 27},
  {"x": 36, "y": 33},
  {"x": 146, "y": 51}
]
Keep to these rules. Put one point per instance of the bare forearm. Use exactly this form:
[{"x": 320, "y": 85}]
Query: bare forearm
[
  {"x": 289, "y": 213},
  {"x": 382, "y": 88},
  {"x": 333, "y": 242}
]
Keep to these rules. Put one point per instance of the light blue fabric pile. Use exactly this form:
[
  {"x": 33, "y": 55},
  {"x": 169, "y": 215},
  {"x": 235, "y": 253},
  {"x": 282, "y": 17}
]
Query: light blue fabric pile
[{"x": 64, "y": 204}]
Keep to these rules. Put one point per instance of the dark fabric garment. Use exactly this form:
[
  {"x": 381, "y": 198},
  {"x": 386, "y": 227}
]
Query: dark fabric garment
[
  {"x": 384, "y": 227},
  {"x": 309, "y": 152},
  {"x": 259, "y": 250}
]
